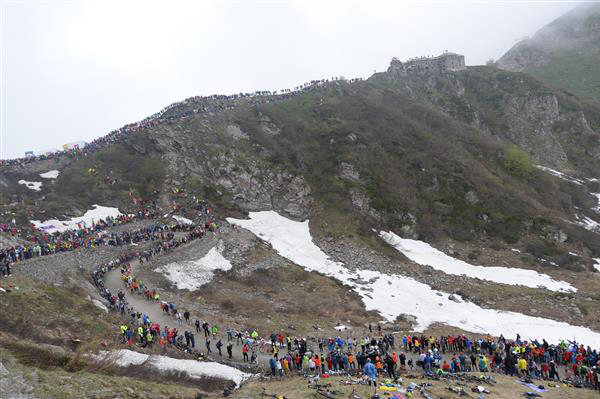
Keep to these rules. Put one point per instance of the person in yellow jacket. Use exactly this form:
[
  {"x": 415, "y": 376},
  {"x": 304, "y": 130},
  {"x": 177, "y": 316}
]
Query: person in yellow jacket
[
  {"x": 522, "y": 364},
  {"x": 123, "y": 329}
]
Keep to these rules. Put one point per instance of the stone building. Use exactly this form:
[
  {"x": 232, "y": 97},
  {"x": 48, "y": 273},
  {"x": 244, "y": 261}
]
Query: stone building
[{"x": 446, "y": 62}]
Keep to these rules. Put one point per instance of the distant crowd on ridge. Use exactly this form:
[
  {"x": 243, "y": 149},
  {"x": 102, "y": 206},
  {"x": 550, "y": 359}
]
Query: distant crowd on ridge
[{"x": 199, "y": 104}]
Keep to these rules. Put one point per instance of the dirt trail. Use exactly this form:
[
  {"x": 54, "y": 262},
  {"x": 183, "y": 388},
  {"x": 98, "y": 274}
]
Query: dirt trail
[
  {"x": 114, "y": 283},
  {"x": 152, "y": 308}
]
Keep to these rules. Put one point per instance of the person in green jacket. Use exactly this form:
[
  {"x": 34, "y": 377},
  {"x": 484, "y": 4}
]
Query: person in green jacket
[{"x": 482, "y": 367}]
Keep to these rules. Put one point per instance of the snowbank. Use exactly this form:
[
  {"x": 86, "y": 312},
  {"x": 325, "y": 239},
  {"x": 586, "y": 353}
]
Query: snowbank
[
  {"x": 394, "y": 295},
  {"x": 191, "y": 275},
  {"x": 125, "y": 357},
  {"x": 51, "y": 174},
  {"x": 95, "y": 214},
  {"x": 32, "y": 185},
  {"x": 597, "y": 264},
  {"x": 195, "y": 369},
  {"x": 424, "y": 254},
  {"x": 183, "y": 220}
]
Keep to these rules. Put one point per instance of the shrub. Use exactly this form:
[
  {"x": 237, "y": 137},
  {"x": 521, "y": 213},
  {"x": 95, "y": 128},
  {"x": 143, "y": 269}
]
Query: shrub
[
  {"x": 541, "y": 248},
  {"x": 517, "y": 162},
  {"x": 474, "y": 254}
]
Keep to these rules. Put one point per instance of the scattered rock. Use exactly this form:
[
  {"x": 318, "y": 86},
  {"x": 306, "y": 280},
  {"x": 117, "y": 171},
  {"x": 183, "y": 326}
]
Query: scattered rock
[
  {"x": 471, "y": 197},
  {"x": 452, "y": 297},
  {"x": 3, "y": 370},
  {"x": 235, "y": 132}
]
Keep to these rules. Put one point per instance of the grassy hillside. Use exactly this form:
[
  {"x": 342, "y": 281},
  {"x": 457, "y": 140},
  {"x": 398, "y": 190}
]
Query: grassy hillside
[
  {"x": 574, "y": 70},
  {"x": 427, "y": 155}
]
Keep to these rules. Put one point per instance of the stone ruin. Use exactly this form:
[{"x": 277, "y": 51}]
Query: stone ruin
[{"x": 447, "y": 62}]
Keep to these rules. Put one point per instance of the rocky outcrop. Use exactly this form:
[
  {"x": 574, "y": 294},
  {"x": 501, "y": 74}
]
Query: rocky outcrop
[
  {"x": 523, "y": 56},
  {"x": 531, "y": 119}
]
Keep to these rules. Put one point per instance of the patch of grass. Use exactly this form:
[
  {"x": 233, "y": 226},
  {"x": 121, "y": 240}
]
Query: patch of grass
[
  {"x": 54, "y": 315},
  {"x": 271, "y": 299},
  {"x": 55, "y": 382},
  {"x": 31, "y": 355}
]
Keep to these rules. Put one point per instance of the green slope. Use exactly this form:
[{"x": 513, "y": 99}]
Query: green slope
[
  {"x": 564, "y": 54},
  {"x": 576, "y": 70}
]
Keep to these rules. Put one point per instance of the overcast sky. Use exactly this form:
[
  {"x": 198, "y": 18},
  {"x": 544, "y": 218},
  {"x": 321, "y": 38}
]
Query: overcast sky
[{"x": 75, "y": 70}]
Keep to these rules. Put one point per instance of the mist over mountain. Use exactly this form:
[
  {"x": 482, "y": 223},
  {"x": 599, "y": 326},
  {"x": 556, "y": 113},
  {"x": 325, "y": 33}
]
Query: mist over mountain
[{"x": 564, "y": 53}]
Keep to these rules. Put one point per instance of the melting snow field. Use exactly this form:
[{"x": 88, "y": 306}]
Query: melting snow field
[
  {"x": 424, "y": 254},
  {"x": 51, "y": 174},
  {"x": 195, "y": 369},
  {"x": 95, "y": 214},
  {"x": 394, "y": 295},
  {"x": 32, "y": 185},
  {"x": 191, "y": 275}
]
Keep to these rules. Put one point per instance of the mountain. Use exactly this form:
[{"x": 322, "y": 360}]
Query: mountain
[
  {"x": 345, "y": 202},
  {"x": 564, "y": 54}
]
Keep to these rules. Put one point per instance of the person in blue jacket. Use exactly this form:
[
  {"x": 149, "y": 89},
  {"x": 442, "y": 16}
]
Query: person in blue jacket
[
  {"x": 272, "y": 365},
  {"x": 370, "y": 372}
]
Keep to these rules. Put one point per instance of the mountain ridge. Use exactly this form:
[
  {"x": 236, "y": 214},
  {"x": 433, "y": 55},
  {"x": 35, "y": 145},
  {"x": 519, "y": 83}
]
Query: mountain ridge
[{"x": 565, "y": 53}]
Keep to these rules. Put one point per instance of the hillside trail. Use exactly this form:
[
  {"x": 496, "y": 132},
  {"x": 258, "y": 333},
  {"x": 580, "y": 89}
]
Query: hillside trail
[{"x": 152, "y": 308}]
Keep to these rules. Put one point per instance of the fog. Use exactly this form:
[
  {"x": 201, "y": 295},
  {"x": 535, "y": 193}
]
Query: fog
[{"x": 74, "y": 70}]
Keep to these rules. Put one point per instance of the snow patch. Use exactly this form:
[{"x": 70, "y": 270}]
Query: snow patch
[
  {"x": 193, "y": 368},
  {"x": 197, "y": 369},
  {"x": 32, "y": 185},
  {"x": 587, "y": 223},
  {"x": 125, "y": 357},
  {"x": 183, "y": 220},
  {"x": 342, "y": 328},
  {"x": 394, "y": 295},
  {"x": 91, "y": 216},
  {"x": 561, "y": 175},
  {"x": 424, "y": 254},
  {"x": 597, "y": 264},
  {"x": 51, "y": 174},
  {"x": 191, "y": 275}
]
